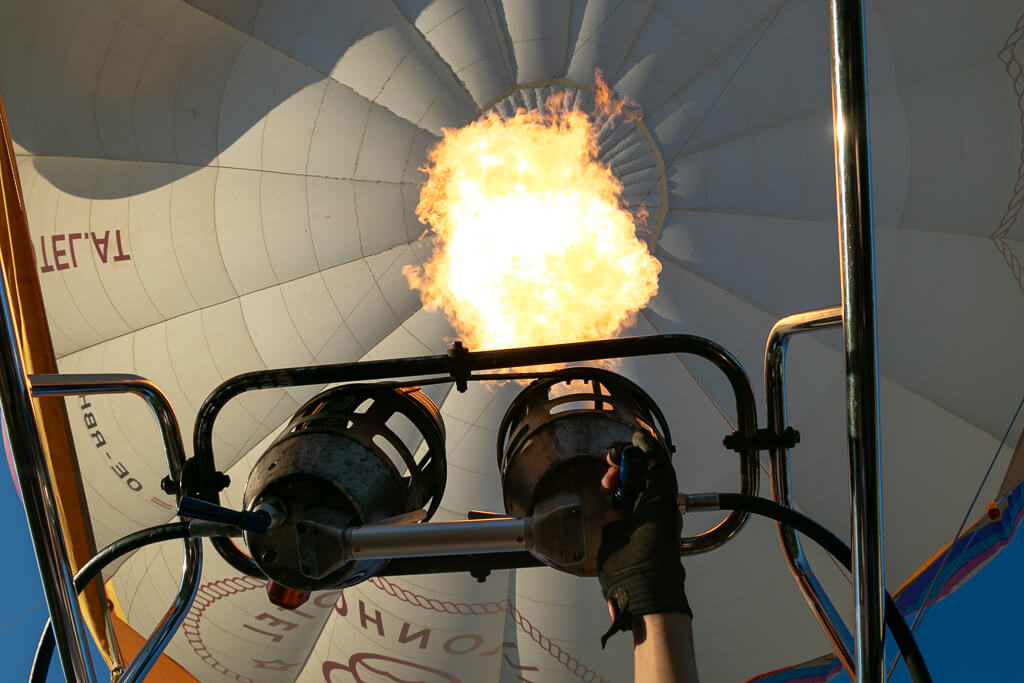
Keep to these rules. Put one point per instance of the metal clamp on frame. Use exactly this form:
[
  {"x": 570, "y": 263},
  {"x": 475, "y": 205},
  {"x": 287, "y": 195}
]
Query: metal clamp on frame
[{"x": 764, "y": 440}]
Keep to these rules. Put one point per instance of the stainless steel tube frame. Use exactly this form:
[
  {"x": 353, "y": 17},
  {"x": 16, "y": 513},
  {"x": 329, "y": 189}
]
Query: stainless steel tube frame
[
  {"x": 460, "y": 366},
  {"x": 165, "y": 630},
  {"x": 856, "y": 257},
  {"x": 76, "y": 384},
  {"x": 110, "y": 383},
  {"x": 116, "y": 655},
  {"x": 40, "y": 504},
  {"x": 775, "y": 395}
]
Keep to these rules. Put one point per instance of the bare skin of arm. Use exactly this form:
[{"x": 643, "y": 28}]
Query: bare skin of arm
[{"x": 663, "y": 649}]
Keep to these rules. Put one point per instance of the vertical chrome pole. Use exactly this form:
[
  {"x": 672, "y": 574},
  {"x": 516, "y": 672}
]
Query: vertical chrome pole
[
  {"x": 856, "y": 255},
  {"x": 40, "y": 504}
]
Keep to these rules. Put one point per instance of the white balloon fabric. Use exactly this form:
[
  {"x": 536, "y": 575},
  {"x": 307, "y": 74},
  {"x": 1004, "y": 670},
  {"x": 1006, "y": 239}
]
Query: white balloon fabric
[{"x": 216, "y": 187}]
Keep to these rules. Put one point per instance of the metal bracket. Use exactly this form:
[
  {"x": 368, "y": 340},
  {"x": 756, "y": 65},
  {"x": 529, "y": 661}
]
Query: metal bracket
[
  {"x": 764, "y": 440},
  {"x": 194, "y": 483},
  {"x": 458, "y": 355}
]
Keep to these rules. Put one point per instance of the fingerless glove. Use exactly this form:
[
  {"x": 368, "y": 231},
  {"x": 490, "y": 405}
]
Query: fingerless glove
[{"x": 638, "y": 562}]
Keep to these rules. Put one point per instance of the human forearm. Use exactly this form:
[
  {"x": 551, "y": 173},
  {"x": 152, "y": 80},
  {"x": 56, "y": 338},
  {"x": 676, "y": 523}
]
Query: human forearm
[{"x": 663, "y": 649}]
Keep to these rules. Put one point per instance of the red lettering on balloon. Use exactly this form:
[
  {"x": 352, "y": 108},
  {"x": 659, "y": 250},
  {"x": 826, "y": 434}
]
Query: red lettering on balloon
[
  {"x": 341, "y": 607},
  {"x": 71, "y": 242},
  {"x": 105, "y": 243},
  {"x": 120, "y": 256},
  {"x": 58, "y": 252},
  {"x": 364, "y": 619},
  {"x": 274, "y": 622},
  {"x": 475, "y": 642},
  {"x": 422, "y": 634},
  {"x": 46, "y": 267},
  {"x": 54, "y": 250}
]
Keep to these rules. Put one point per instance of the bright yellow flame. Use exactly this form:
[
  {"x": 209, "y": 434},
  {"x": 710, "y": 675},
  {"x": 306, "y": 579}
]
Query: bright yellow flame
[{"x": 533, "y": 244}]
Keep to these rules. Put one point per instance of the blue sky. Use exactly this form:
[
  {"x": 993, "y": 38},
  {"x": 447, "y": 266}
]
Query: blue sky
[
  {"x": 22, "y": 610},
  {"x": 970, "y": 636}
]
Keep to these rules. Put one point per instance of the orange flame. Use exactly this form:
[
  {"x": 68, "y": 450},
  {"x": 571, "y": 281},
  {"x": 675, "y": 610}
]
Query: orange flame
[{"x": 533, "y": 243}]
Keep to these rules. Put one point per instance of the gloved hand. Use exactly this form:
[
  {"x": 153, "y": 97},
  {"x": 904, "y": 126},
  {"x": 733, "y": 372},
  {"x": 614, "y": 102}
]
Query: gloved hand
[{"x": 638, "y": 563}]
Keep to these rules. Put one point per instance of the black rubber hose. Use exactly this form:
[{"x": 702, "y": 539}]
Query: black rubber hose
[
  {"x": 91, "y": 569},
  {"x": 901, "y": 633},
  {"x": 727, "y": 501}
]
